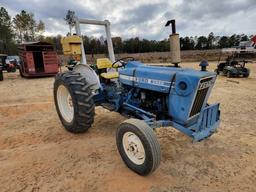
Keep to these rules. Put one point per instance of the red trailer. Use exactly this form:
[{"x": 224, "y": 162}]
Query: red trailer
[{"x": 38, "y": 59}]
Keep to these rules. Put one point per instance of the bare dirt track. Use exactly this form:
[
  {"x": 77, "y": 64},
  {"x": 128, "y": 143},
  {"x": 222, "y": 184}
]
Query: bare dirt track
[{"x": 37, "y": 154}]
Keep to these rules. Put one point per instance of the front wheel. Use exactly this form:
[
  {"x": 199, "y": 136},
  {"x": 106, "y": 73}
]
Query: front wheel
[
  {"x": 138, "y": 146},
  {"x": 247, "y": 73},
  {"x": 229, "y": 74},
  {"x": 1, "y": 75},
  {"x": 13, "y": 69},
  {"x": 217, "y": 71},
  {"x": 74, "y": 102}
]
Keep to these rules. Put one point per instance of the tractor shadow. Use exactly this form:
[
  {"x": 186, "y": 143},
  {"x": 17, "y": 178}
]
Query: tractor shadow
[{"x": 106, "y": 122}]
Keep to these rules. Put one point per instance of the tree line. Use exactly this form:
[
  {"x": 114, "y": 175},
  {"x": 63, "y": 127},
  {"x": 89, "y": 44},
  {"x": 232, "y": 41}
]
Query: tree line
[
  {"x": 94, "y": 45},
  {"x": 24, "y": 27}
]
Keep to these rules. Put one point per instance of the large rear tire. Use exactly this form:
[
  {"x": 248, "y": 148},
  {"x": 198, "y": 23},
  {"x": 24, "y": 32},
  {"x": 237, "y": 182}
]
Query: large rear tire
[
  {"x": 74, "y": 102},
  {"x": 138, "y": 146}
]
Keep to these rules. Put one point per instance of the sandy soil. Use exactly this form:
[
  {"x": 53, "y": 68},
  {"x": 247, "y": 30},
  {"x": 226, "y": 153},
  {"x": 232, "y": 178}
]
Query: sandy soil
[{"x": 37, "y": 154}]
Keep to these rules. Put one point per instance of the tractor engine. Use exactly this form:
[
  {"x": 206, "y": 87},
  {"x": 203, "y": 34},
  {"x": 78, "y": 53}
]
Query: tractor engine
[{"x": 147, "y": 100}]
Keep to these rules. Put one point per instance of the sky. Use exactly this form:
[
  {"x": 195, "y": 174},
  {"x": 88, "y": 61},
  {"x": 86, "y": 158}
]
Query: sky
[{"x": 144, "y": 18}]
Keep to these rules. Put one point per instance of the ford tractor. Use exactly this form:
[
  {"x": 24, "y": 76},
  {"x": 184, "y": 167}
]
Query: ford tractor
[{"x": 150, "y": 96}]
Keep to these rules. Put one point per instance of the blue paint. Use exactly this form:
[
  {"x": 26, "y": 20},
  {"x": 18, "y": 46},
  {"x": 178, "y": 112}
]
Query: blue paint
[{"x": 165, "y": 96}]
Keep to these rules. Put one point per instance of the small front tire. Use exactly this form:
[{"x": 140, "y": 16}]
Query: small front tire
[
  {"x": 217, "y": 71},
  {"x": 229, "y": 74},
  {"x": 138, "y": 146}
]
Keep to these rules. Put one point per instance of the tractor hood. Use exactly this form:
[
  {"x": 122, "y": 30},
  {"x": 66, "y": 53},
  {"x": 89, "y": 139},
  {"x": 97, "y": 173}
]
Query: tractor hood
[
  {"x": 188, "y": 89},
  {"x": 160, "y": 79}
]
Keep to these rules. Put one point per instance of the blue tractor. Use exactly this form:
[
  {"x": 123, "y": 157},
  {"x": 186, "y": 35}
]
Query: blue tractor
[{"x": 151, "y": 96}]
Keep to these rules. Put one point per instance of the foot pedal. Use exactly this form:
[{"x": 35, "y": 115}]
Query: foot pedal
[{"x": 108, "y": 106}]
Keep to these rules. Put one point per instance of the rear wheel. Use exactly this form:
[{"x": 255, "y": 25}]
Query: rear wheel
[
  {"x": 247, "y": 72},
  {"x": 8, "y": 69},
  {"x": 228, "y": 74},
  {"x": 21, "y": 74},
  {"x": 138, "y": 146},
  {"x": 21, "y": 70},
  {"x": 74, "y": 102},
  {"x": 1, "y": 74},
  {"x": 13, "y": 69}
]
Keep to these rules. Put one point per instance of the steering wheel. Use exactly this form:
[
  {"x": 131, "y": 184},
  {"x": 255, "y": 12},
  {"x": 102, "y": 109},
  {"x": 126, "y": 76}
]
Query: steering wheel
[{"x": 123, "y": 61}]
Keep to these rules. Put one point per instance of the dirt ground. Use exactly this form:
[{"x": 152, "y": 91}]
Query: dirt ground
[{"x": 37, "y": 154}]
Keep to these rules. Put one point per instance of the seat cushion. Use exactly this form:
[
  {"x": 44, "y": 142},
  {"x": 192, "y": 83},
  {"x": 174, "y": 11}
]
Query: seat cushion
[
  {"x": 110, "y": 75},
  {"x": 103, "y": 63}
]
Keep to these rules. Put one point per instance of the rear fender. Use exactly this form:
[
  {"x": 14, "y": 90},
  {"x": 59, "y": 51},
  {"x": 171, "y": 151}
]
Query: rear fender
[{"x": 89, "y": 74}]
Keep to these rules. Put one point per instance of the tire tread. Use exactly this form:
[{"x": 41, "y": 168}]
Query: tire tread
[
  {"x": 84, "y": 116},
  {"x": 154, "y": 146}
]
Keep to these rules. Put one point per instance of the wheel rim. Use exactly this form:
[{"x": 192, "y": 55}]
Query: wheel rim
[
  {"x": 134, "y": 148},
  {"x": 65, "y": 103}
]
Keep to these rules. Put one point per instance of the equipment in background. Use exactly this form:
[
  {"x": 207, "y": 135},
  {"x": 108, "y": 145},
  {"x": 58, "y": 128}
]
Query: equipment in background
[
  {"x": 233, "y": 67},
  {"x": 151, "y": 96},
  {"x": 9, "y": 67},
  {"x": 71, "y": 46},
  {"x": 245, "y": 50},
  {"x": 38, "y": 59},
  {"x": 13, "y": 59}
]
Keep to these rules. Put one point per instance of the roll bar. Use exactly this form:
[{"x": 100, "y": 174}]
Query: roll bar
[{"x": 105, "y": 23}]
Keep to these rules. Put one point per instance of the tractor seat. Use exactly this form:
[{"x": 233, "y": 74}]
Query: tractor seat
[
  {"x": 110, "y": 75},
  {"x": 105, "y": 63}
]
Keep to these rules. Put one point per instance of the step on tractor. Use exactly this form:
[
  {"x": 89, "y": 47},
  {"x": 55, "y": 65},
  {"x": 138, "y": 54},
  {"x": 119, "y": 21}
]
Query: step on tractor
[
  {"x": 9, "y": 67},
  {"x": 151, "y": 96}
]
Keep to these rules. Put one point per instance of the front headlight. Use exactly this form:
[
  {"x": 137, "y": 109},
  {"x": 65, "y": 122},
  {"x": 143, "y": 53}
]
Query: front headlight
[{"x": 183, "y": 86}]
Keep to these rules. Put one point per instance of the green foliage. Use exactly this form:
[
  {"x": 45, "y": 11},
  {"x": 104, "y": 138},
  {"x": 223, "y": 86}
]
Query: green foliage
[
  {"x": 70, "y": 20},
  {"x": 135, "y": 45},
  {"x": 6, "y": 32},
  {"x": 223, "y": 42},
  {"x": 94, "y": 45},
  {"x": 55, "y": 40},
  {"x": 26, "y": 27},
  {"x": 187, "y": 43},
  {"x": 202, "y": 43}
]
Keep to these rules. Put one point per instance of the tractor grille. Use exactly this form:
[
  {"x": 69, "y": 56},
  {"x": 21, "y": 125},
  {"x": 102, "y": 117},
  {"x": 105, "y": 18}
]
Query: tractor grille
[{"x": 202, "y": 91}]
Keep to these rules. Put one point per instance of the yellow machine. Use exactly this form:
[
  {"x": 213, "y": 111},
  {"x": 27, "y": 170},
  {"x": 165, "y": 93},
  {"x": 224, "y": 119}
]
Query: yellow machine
[
  {"x": 105, "y": 63},
  {"x": 71, "y": 46}
]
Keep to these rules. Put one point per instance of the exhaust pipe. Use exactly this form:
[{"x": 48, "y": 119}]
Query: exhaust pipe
[{"x": 174, "y": 44}]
